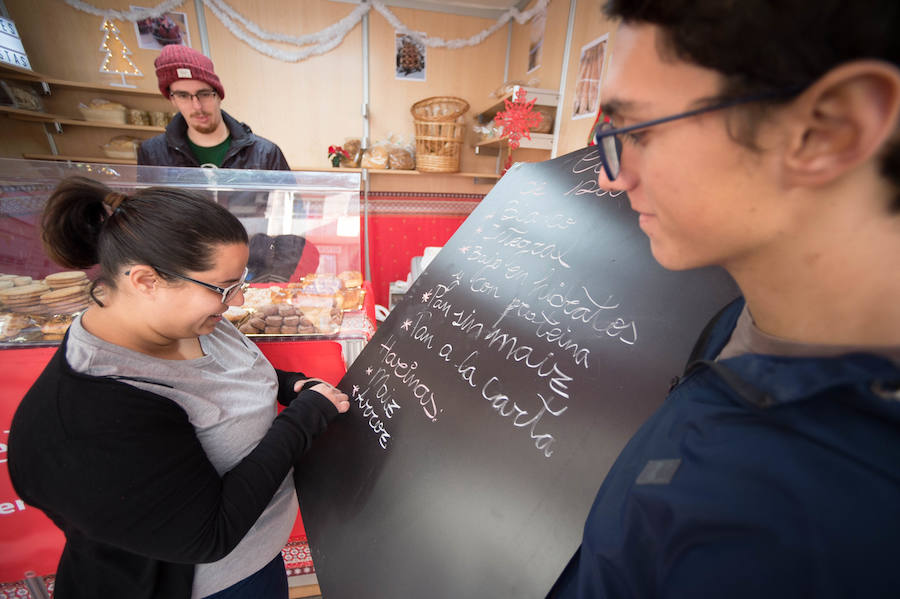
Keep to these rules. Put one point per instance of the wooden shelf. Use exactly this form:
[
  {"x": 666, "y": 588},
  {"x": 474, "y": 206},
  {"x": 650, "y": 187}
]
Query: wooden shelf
[
  {"x": 541, "y": 97},
  {"x": 28, "y": 115},
  {"x": 540, "y": 141},
  {"x": 12, "y": 72},
  {"x": 86, "y": 133},
  {"x": 9, "y": 69}
]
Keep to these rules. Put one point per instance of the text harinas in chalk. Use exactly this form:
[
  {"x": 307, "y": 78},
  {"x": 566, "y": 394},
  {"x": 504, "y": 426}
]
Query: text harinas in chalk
[{"x": 403, "y": 372}]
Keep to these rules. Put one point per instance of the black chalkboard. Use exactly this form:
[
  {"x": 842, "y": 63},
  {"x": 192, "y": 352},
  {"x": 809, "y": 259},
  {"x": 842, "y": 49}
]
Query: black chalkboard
[{"x": 489, "y": 406}]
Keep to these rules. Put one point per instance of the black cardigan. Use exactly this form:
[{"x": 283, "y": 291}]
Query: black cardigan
[{"x": 122, "y": 473}]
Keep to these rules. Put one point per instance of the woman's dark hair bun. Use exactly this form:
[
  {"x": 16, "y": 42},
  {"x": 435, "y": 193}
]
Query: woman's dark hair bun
[{"x": 72, "y": 220}]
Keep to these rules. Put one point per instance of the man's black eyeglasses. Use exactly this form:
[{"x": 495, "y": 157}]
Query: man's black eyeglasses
[
  {"x": 610, "y": 146},
  {"x": 203, "y": 96}
]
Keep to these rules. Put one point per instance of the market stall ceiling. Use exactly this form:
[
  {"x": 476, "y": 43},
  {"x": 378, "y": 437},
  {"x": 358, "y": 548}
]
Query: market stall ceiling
[{"x": 474, "y": 8}]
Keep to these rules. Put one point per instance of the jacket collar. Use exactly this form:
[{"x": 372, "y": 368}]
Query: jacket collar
[
  {"x": 769, "y": 380},
  {"x": 176, "y": 133},
  {"x": 766, "y": 380}
]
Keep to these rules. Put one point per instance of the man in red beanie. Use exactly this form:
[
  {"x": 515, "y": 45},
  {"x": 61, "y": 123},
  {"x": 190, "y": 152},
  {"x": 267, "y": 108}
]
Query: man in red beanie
[{"x": 202, "y": 134}]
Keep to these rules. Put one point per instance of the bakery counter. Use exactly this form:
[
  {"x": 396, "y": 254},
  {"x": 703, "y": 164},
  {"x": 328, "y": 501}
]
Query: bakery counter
[
  {"x": 37, "y": 312},
  {"x": 352, "y": 331}
]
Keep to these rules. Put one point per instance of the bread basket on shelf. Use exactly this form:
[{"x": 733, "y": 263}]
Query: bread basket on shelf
[
  {"x": 103, "y": 111},
  {"x": 439, "y": 133},
  {"x": 122, "y": 146}
]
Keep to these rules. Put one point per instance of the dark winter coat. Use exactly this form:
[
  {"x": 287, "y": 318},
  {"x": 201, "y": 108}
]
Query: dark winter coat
[
  {"x": 760, "y": 476},
  {"x": 247, "y": 150}
]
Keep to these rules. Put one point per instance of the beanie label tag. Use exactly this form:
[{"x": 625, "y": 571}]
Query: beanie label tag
[{"x": 183, "y": 73}]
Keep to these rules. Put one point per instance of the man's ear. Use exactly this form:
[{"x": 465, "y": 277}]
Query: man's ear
[
  {"x": 143, "y": 278},
  {"x": 843, "y": 120}
]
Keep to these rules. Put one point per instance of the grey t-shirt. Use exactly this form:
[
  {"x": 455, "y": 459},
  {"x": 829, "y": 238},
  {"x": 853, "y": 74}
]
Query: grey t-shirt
[
  {"x": 747, "y": 338},
  {"x": 229, "y": 396}
]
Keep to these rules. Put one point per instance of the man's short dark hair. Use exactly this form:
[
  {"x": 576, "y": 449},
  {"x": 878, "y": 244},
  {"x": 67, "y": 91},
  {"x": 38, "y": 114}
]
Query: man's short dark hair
[{"x": 771, "y": 45}]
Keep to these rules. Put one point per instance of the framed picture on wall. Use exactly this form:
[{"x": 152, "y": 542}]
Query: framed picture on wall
[
  {"x": 410, "y": 58},
  {"x": 536, "y": 43},
  {"x": 155, "y": 32},
  {"x": 586, "y": 99}
]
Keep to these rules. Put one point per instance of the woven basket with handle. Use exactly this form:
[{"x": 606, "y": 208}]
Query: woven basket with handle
[{"x": 439, "y": 136}]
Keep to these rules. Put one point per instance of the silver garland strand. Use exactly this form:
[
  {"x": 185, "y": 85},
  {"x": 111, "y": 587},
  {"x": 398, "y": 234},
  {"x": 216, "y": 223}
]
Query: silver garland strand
[{"x": 317, "y": 43}]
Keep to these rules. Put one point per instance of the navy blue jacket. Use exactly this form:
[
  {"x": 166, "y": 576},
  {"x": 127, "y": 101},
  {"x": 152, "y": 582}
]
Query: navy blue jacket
[{"x": 760, "y": 476}]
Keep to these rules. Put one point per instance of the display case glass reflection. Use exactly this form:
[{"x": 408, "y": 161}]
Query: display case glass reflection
[{"x": 304, "y": 230}]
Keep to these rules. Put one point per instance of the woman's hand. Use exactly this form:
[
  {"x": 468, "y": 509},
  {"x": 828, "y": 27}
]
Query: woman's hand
[{"x": 332, "y": 393}]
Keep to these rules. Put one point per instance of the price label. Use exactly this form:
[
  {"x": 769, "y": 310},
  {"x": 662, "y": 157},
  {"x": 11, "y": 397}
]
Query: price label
[{"x": 11, "y": 49}]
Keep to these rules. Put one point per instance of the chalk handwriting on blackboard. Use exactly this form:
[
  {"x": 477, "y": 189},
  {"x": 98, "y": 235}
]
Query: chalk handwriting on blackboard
[
  {"x": 549, "y": 220},
  {"x": 513, "y": 237},
  {"x": 405, "y": 372},
  {"x": 521, "y": 418},
  {"x": 368, "y": 412},
  {"x": 555, "y": 310},
  {"x": 590, "y": 166}
]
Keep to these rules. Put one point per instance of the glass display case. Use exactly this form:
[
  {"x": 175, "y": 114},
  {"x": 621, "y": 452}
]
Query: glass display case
[{"x": 304, "y": 230}]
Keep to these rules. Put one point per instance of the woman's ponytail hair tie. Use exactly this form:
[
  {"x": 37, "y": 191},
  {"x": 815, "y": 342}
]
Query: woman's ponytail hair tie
[{"x": 113, "y": 200}]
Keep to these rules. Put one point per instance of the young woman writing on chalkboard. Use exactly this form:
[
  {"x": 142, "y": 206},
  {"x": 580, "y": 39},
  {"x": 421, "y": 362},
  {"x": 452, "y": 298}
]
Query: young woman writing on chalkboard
[
  {"x": 772, "y": 468},
  {"x": 151, "y": 438}
]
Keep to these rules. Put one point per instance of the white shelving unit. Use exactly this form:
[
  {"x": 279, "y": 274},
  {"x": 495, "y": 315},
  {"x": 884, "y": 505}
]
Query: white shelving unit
[{"x": 547, "y": 98}]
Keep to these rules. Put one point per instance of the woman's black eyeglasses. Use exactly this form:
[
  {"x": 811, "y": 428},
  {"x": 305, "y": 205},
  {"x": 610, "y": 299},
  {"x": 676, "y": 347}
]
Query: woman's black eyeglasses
[
  {"x": 610, "y": 146},
  {"x": 228, "y": 293}
]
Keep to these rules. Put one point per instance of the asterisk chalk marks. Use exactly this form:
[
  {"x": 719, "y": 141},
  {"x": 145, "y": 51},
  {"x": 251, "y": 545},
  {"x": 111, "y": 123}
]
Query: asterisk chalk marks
[
  {"x": 426, "y": 297},
  {"x": 369, "y": 370},
  {"x": 406, "y": 324},
  {"x": 355, "y": 389}
]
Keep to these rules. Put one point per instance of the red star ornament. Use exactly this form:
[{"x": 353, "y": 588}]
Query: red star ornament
[{"x": 518, "y": 119}]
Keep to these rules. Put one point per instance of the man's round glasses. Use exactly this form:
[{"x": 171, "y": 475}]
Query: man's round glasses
[
  {"x": 228, "y": 293},
  {"x": 609, "y": 143},
  {"x": 204, "y": 96}
]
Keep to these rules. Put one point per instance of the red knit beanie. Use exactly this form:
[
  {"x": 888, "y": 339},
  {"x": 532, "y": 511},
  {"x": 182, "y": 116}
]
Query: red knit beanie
[{"x": 180, "y": 62}]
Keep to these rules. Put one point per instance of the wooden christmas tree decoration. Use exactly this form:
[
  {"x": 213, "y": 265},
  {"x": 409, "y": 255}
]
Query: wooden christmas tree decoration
[{"x": 117, "y": 59}]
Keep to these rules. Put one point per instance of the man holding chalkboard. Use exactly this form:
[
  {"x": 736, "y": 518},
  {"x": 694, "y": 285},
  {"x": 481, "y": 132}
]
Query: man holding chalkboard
[{"x": 761, "y": 137}]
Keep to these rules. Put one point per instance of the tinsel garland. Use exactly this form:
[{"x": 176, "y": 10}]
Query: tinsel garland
[
  {"x": 135, "y": 14},
  {"x": 319, "y": 42},
  {"x": 437, "y": 42}
]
